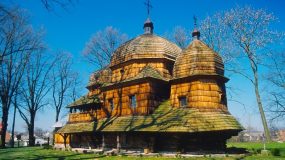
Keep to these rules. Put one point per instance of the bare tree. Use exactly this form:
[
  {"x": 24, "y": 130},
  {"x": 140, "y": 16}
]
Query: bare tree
[
  {"x": 75, "y": 90},
  {"x": 249, "y": 30},
  {"x": 276, "y": 77},
  {"x": 17, "y": 42},
  {"x": 180, "y": 36},
  {"x": 34, "y": 91},
  {"x": 13, "y": 27},
  {"x": 51, "y": 4},
  {"x": 215, "y": 35},
  {"x": 39, "y": 132},
  {"x": 15, "y": 104},
  {"x": 63, "y": 79},
  {"x": 4, "y": 13},
  {"x": 101, "y": 46}
]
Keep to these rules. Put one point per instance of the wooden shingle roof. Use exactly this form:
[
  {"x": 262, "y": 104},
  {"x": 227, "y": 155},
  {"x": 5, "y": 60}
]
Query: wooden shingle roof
[
  {"x": 146, "y": 72},
  {"x": 145, "y": 46},
  {"x": 198, "y": 59},
  {"x": 164, "y": 119},
  {"x": 78, "y": 127},
  {"x": 100, "y": 77},
  {"x": 85, "y": 100}
]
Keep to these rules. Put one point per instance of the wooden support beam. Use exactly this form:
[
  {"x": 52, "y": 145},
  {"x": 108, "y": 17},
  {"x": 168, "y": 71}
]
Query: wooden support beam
[
  {"x": 103, "y": 142},
  {"x": 118, "y": 143}
]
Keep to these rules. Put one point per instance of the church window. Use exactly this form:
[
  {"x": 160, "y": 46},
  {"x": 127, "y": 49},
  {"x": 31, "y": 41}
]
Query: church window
[
  {"x": 183, "y": 101},
  {"x": 133, "y": 101}
]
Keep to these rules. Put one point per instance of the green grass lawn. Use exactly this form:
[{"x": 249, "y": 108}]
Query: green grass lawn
[
  {"x": 41, "y": 153},
  {"x": 277, "y": 150},
  {"x": 48, "y": 154}
]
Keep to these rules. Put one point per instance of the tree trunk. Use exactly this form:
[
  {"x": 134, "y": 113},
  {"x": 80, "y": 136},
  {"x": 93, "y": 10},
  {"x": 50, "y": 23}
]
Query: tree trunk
[
  {"x": 64, "y": 139},
  {"x": 259, "y": 103},
  {"x": 56, "y": 120},
  {"x": 4, "y": 124},
  {"x": 13, "y": 126},
  {"x": 56, "y": 115},
  {"x": 31, "y": 131},
  {"x": 31, "y": 137},
  {"x": 53, "y": 136}
]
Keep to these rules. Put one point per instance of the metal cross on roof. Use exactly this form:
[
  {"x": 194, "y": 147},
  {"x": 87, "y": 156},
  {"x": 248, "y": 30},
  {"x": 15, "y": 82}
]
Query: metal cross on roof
[{"x": 149, "y": 6}]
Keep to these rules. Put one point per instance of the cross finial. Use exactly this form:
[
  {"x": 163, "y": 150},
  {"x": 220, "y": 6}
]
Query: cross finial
[
  {"x": 195, "y": 33},
  {"x": 148, "y": 6},
  {"x": 195, "y": 21}
]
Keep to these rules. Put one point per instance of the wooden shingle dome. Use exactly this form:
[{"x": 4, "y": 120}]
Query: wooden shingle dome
[
  {"x": 198, "y": 59},
  {"x": 143, "y": 47}
]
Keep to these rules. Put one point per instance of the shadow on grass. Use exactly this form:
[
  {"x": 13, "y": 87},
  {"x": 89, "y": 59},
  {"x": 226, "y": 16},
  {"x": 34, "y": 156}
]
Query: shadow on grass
[
  {"x": 33, "y": 153},
  {"x": 72, "y": 157},
  {"x": 235, "y": 150}
]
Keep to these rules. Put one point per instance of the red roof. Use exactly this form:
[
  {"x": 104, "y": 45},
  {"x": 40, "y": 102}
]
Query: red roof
[{"x": 8, "y": 135}]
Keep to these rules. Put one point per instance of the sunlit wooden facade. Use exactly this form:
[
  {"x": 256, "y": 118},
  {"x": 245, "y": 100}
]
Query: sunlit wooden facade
[{"x": 153, "y": 96}]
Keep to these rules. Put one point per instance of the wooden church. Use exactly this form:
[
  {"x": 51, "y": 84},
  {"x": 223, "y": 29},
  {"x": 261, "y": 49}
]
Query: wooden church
[{"x": 153, "y": 97}]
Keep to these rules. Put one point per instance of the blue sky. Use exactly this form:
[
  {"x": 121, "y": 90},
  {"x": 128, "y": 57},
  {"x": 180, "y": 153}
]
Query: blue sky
[{"x": 69, "y": 30}]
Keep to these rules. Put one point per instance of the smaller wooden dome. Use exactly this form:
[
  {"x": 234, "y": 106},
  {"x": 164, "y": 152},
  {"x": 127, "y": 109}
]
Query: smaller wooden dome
[{"x": 198, "y": 59}]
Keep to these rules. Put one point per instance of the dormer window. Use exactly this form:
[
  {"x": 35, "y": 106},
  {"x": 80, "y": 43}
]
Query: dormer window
[
  {"x": 133, "y": 101},
  {"x": 183, "y": 101}
]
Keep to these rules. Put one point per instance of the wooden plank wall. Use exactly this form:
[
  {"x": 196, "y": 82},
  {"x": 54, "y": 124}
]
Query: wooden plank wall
[
  {"x": 142, "y": 93},
  {"x": 148, "y": 96},
  {"x": 82, "y": 117},
  {"x": 58, "y": 139},
  {"x": 133, "y": 69},
  {"x": 201, "y": 94}
]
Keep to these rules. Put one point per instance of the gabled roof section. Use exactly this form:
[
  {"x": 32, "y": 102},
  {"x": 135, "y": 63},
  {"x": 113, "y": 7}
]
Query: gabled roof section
[
  {"x": 100, "y": 77},
  {"x": 85, "y": 100},
  {"x": 146, "y": 72},
  {"x": 150, "y": 72}
]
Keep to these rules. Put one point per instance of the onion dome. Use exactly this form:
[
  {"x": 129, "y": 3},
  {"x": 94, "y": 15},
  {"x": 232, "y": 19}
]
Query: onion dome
[
  {"x": 145, "y": 46},
  {"x": 198, "y": 59}
]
